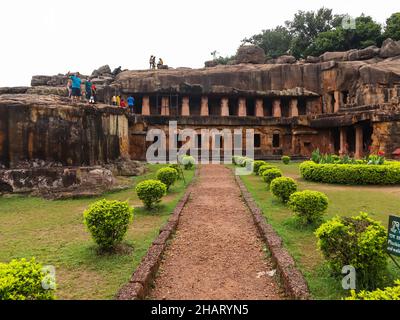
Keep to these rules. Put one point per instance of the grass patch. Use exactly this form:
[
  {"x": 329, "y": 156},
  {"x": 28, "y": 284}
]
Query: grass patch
[
  {"x": 54, "y": 233},
  {"x": 378, "y": 201}
]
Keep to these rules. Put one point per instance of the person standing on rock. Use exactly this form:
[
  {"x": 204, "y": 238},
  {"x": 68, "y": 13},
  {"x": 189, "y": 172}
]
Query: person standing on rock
[
  {"x": 76, "y": 87},
  {"x": 131, "y": 103},
  {"x": 118, "y": 100},
  {"x": 151, "y": 62},
  {"x": 88, "y": 89},
  {"x": 69, "y": 88},
  {"x": 94, "y": 91},
  {"x": 114, "y": 100}
]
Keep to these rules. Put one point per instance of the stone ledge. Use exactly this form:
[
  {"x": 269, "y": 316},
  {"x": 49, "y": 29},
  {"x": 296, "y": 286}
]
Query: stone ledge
[
  {"x": 140, "y": 283},
  {"x": 292, "y": 279}
]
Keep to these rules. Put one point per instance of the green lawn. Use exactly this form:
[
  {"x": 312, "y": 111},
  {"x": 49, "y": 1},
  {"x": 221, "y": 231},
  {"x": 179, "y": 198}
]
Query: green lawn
[
  {"x": 53, "y": 232},
  {"x": 378, "y": 201}
]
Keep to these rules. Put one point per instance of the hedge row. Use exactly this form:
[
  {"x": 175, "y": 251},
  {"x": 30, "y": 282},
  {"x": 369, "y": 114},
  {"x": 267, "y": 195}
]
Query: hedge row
[{"x": 388, "y": 173}]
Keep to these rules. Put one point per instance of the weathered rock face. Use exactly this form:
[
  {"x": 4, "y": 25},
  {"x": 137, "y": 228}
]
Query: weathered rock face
[
  {"x": 250, "y": 54},
  {"x": 390, "y": 48},
  {"x": 57, "y": 182},
  {"x": 363, "y": 54},
  {"x": 49, "y": 128}
]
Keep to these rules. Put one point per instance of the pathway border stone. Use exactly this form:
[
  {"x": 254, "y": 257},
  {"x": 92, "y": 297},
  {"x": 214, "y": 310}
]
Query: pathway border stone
[
  {"x": 292, "y": 279},
  {"x": 140, "y": 283}
]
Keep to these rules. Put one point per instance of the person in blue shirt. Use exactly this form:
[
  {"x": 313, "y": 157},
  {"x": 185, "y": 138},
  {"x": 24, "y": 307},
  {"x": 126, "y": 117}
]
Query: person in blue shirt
[
  {"x": 131, "y": 103},
  {"x": 76, "y": 86}
]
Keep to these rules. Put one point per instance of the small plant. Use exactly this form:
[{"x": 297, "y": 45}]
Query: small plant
[
  {"x": 308, "y": 205},
  {"x": 271, "y": 174},
  {"x": 24, "y": 280},
  {"x": 389, "y": 293},
  {"x": 188, "y": 162},
  {"x": 257, "y": 164},
  {"x": 316, "y": 156},
  {"x": 177, "y": 167},
  {"x": 283, "y": 188},
  {"x": 357, "y": 241},
  {"x": 264, "y": 168},
  {"x": 285, "y": 159},
  {"x": 150, "y": 192},
  {"x": 167, "y": 176},
  {"x": 108, "y": 221}
]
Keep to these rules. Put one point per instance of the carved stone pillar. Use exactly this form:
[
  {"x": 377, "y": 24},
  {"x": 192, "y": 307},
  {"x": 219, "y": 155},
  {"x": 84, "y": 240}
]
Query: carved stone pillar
[
  {"x": 259, "y": 108},
  {"x": 165, "y": 106},
  {"x": 359, "y": 142},
  {"x": 343, "y": 141},
  {"x": 242, "y": 112},
  {"x": 337, "y": 97},
  {"x": 185, "y": 106},
  {"x": 146, "y": 106},
  {"x": 204, "y": 106},
  {"x": 293, "y": 109},
  {"x": 276, "y": 108},
  {"x": 224, "y": 107}
]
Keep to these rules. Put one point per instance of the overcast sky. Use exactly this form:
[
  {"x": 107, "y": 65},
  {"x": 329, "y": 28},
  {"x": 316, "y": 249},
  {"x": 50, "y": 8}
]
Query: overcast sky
[{"x": 50, "y": 37}]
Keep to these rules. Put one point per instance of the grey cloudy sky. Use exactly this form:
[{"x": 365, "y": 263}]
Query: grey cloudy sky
[{"x": 50, "y": 37}]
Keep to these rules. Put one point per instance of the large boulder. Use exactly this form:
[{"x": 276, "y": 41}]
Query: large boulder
[
  {"x": 311, "y": 59},
  {"x": 363, "y": 54},
  {"x": 250, "y": 54},
  {"x": 286, "y": 59},
  {"x": 102, "y": 71},
  {"x": 390, "y": 48},
  {"x": 334, "y": 56},
  {"x": 210, "y": 63}
]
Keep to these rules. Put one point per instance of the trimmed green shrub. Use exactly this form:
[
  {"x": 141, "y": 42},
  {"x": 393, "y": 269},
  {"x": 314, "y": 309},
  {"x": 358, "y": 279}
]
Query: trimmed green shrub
[
  {"x": 167, "y": 176},
  {"x": 23, "y": 280},
  {"x": 389, "y": 293},
  {"x": 271, "y": 174},
  {"x": 308, "y": 205},
  {"x": 283, "y": 188},
  {"x": 108, "y": 221},
  {"x": 150, "y": 192},
  {"x": 257, "y": 164},
  {"x": 265, "y": 167},
  {"x": 177, "y": 167},
  {"x": 357, "y": 241},
  {"x": 388, "y": 173},
  {"x": 285, "y": 159},
  {"x": 188, "y": 162}
]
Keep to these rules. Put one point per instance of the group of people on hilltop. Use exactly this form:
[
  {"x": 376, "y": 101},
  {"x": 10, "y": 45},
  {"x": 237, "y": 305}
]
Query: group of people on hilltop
[
  {"x": 116, "y": 100},
  {"x": 152, "y": 62},
  {"x": 74, "y": 87}
]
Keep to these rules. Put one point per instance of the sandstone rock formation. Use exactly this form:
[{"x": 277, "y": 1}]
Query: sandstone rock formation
[
  {"x": 250, "y": 54},
  {"x": 390, "y": 48}
]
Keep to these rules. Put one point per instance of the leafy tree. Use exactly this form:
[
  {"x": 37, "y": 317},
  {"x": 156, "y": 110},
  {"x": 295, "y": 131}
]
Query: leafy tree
[
  {"x": 306, "y": 26},
  {"x": 275, "y": 42},
  {"x": 392, "y": 29},
  {"x": 367, "y": 32}
]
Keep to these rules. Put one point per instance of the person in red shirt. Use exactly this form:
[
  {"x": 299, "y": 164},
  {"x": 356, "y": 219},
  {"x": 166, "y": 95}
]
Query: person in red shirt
[{"x": 122, "y": 103}]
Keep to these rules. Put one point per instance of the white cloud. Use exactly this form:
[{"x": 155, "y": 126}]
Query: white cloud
[{"x": 48, "y": 37}]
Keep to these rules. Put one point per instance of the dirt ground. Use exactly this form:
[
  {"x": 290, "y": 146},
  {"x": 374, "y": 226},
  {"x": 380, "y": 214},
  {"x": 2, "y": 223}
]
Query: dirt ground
[{"x": 216, "y": 252}]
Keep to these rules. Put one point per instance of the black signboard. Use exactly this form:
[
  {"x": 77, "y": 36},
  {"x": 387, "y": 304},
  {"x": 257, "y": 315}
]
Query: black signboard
[{"x": 393, "y": 243}]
